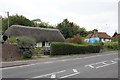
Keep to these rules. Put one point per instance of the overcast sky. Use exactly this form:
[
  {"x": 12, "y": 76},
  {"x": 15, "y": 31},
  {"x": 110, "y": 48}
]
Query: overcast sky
[{"x": 91, "y": 14}]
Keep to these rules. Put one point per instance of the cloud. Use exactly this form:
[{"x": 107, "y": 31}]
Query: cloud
[{"x": 86, "y": 13}]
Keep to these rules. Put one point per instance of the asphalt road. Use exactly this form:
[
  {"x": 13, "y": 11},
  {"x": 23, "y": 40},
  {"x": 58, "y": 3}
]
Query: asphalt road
[{"x": 96, "y": 66}]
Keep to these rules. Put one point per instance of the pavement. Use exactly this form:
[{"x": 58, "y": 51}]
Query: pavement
[{"x": 99, "y": 65}]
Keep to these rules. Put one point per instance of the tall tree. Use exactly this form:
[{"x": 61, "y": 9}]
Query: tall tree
[
  {"x": 68, "y": 29},
  {"x": 15, "y": 20}
]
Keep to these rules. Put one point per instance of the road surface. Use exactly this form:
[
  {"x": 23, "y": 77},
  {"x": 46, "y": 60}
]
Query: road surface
[{"x": 97, "y": 66}]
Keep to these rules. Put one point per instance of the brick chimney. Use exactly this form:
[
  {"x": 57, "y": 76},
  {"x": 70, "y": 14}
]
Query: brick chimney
[{"x": 95, "y": 33}]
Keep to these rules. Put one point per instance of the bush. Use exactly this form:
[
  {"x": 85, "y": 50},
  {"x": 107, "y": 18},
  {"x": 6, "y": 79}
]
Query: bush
[
  {"x": 76, "y": 39},
  {"x": 12, "y": 40},
  {"x": 59, "y": 48},
  {"x": 101, "y": 44},
  {"x": 26, "y": 46},
  {"x": 111, "y": 45}
]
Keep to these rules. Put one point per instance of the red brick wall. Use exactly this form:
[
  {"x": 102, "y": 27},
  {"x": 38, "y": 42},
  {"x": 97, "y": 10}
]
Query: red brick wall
[{"x": 10, "y": 52}]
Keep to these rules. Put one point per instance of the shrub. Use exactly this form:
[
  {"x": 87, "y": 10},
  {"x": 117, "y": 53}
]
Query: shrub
[
  {"x": 59, "y": 48},
  {"x": 76, "y": 39},
  {"x": 26, "y": 46},
  {"x": 101, "y": 44},
  {"x": 12, "y": 40},
  {"x": 111, "y": 45}
]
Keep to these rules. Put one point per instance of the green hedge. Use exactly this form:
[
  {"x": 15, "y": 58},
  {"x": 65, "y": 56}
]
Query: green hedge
[
  {"x": 60, "y": 48},
  {"x": 111, "y": 45}
]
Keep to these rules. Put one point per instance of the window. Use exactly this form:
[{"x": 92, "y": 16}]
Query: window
[{"x": 43, "y": 43}]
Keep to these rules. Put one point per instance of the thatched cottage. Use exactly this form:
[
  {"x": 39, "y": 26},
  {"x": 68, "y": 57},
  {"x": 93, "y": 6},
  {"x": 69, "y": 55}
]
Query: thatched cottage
[{"x": 43, "y": 36}]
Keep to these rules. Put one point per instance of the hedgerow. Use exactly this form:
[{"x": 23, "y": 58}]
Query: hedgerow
[{"x": 60, "y": 48}]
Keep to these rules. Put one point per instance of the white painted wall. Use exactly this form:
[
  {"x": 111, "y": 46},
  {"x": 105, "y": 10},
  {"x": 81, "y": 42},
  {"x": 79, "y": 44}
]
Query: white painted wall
[
  {"x": 39, "y": 44},
  {"x": 47, "y": 44},
  {"x": 105, "y": 40}
]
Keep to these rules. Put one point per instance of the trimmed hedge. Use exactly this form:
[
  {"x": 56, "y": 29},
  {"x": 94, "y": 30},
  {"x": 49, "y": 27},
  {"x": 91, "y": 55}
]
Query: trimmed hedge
[{"x": 62, "y": 48}]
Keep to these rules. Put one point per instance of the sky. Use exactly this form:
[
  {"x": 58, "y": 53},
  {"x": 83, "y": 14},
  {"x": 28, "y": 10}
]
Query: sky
[{"x": 90, "y": 14}]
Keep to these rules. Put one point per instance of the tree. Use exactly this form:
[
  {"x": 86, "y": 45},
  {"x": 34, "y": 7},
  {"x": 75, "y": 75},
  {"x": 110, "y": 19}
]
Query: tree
[
  {"x": 15, "y": 20},
  {"x": 39, "y": 23},
  {"x": 82, "y": 31},
  {"x": 68, "y": 29},
  {"x": 36, "y": 22}
]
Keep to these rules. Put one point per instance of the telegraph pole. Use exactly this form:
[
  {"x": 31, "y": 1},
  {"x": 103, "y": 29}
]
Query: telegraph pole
[
  {"x": 8, "y": 21},
  {"x": 8, "y": 18}
]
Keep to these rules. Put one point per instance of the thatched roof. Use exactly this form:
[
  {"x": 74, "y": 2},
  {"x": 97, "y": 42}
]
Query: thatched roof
[{"x": 39, "y": 34}]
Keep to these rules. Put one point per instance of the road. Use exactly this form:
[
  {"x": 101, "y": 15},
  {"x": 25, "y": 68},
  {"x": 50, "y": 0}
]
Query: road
[{"x": 97, "y": 66}]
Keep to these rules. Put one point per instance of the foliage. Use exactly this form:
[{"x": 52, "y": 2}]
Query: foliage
[
  {"x": 82, "y": 31},
  {"x": 69, "y": 29},
  {"x": 26, "y": 46},
  {"x": 58, "y": 48},
  {"x": 115, "y": 39},
  {"x": 15, "y": 20},
  {"x": 111, "y": 45},
  {"x": 12, "y": 40},
  {"x": 76, "y": 39},
  {"x": 101, "y": 44},
  {"x": 39, "y": 23}
]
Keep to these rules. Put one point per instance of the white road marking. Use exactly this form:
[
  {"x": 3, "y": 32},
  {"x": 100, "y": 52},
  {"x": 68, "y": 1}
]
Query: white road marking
[
  {"x": 104, "y": 65},
  {"x": 48, "y": 62},
  {"x": 49, "y": 74},
  {"x": 53, "y": 76},
  {"x": 75, "y": 70},
  {"x": 113, "y": 61},
  {"x": 89, "y": 66},
  {"x": 64, "y": 60},
  {"x": 55, "y": 61},
  {"x": 103, "y": 62},
  {"x": 70, "y": 75}
]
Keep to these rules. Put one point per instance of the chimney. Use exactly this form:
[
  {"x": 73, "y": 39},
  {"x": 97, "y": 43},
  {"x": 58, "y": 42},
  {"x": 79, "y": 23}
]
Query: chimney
[{"x": 95, "y": 31}]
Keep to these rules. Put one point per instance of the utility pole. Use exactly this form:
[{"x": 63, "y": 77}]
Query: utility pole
[
  {"x": 8, "y": 21},
  {"x": 8, "y": 18}
]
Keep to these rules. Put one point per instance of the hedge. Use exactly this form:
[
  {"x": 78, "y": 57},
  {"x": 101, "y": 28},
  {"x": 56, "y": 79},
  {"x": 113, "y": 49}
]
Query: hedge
[
  {"x": 111, "y": 45},
  {"x": 62, "y": 48}
]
